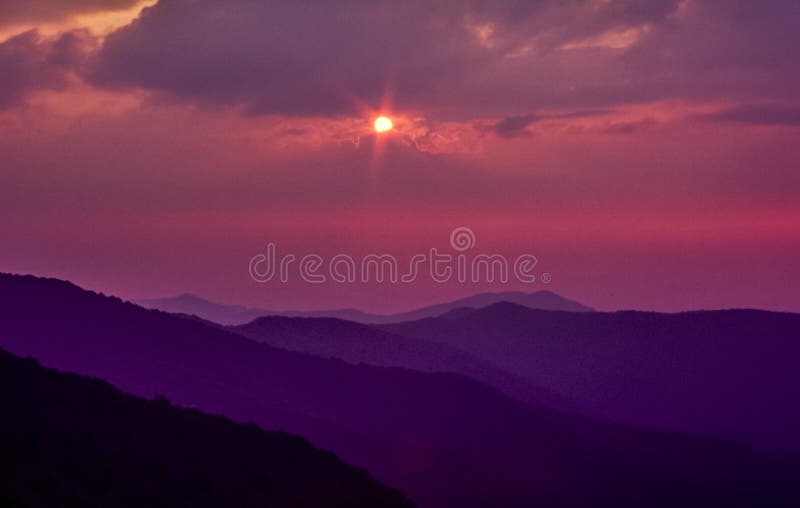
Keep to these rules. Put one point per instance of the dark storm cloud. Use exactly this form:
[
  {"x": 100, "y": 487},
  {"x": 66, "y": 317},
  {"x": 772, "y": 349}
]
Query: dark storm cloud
[
  {"x": 719, "y": 48},
  {"x": 295, "y": 59},
  {"x": 631, "y": 127},
  {"x": 30, "y": 62},
  {"x": 513, "y": 126},
  {"x": 285, "y": 57},
  {"x": 759, "y": 114},
  {"x": 454, "y": 59},
  {"x": 27, "y": 11}
]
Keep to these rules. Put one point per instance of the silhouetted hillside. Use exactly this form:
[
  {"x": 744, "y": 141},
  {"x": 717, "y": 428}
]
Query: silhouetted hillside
[
  {"x": 446, "y": 440},
  {"x": 726, "y": 373},
  {"x": 67, "y": 440},
  {"x": 357, "y": 343}
]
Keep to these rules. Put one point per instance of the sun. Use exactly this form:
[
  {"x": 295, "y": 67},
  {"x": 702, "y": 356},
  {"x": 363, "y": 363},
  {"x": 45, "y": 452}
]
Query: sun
[{"x": 383, "y": 124}]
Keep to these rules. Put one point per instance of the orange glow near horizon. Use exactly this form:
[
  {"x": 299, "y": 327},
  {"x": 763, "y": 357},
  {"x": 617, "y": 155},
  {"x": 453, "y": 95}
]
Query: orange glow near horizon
[{"x": 99, "y": 23}]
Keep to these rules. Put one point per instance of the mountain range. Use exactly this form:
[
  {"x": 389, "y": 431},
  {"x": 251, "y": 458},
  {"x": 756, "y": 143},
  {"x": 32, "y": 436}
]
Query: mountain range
[
  {"x": 727, "y": 373},
  {"x": 237, "y": 315},
  {"x": 720, "y": 373},
  {"x": 357, "y": 343},
  {"x": 445, "y": 439}
]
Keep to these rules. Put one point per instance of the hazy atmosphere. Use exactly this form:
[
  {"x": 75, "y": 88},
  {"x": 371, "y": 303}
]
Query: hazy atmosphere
[
  {"x": 644, "y": 152},
  {"x": 398, "y": 254}
]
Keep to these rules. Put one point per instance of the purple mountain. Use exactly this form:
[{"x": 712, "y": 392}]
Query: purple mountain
[
  {"x": 544, "y": 300},
  {"x": 445, "y": 439},
  {"x": 237, "y": 315},
  {"x": 67, "y": 440},
  {"x": 730, "y": 373},
  {"x": 356, "y": 343}
]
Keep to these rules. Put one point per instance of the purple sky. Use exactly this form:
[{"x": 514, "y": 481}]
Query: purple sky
[{"x": 646, "y": 152}]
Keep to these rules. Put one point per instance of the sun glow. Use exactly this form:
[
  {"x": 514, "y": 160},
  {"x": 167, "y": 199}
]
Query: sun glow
[{"x": 383, "y": 124}]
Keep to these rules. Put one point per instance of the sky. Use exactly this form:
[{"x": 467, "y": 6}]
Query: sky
[{"x": 646, "y": 153}]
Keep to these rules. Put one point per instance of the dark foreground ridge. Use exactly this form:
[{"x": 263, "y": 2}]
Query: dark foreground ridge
[{"x": 68, "y": 440}]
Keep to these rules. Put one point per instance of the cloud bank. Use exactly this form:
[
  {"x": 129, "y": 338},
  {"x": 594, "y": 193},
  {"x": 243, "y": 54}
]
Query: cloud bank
[{"x": 454, "y": 59}]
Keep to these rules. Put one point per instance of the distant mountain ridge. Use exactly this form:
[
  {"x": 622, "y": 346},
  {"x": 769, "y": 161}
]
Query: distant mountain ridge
[
  {"x": 728, "y": 373},
  {"x": 359, "y": 343},
  {"x": 238, "y": 315}
]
